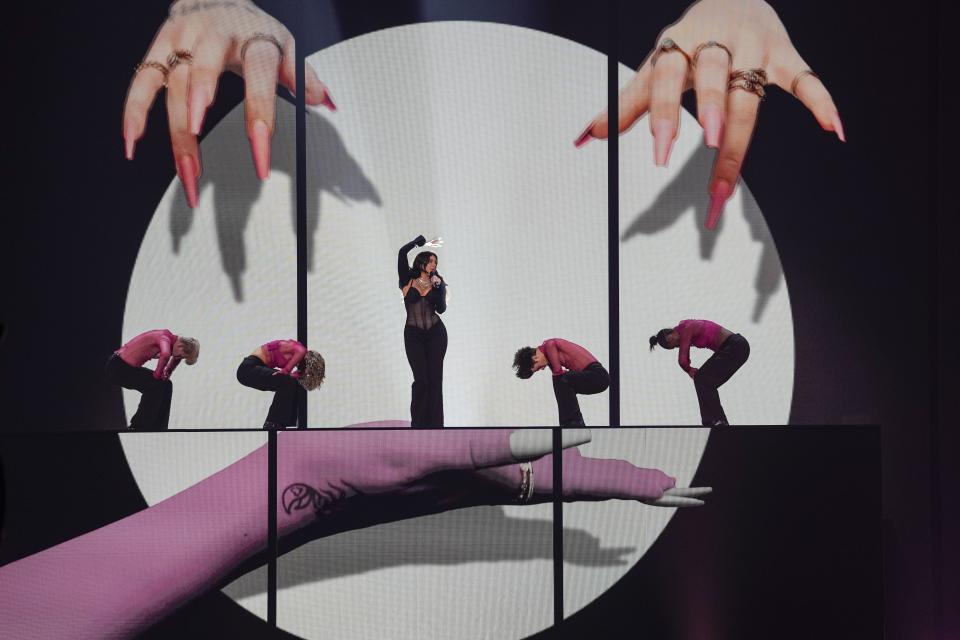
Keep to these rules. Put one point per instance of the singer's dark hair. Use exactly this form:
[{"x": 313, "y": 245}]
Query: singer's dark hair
[{"x": 420, "y": 262}]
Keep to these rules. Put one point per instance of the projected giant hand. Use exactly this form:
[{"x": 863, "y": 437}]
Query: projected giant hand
[
  {"x": 194, "y": 46},
  {"x": 727, "y": 51},
  {"x": 119, "y": 579}
]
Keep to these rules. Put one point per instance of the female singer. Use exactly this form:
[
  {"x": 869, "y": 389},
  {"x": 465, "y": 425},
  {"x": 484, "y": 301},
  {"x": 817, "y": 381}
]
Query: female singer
[{"x": 424, "y": 336}]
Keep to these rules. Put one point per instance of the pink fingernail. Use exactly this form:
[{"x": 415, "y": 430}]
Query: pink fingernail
[
  {"x": 838, "y": 126},
  {"x": 584, "y": 137},
  {"x": 129, "y": 141},
  {"x": 328, "y": 102},
  {"x": 187, "y": 171},
  {"x": 200, "y": 99},
  {"x": 663, "y": 132},
  {"x": 260, "y": 144},
  {"x": 718, "y": 198},
  {"x": 712, "y": 125}
]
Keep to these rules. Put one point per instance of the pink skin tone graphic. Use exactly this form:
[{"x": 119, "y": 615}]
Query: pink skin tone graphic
[
  {"x": 237, "y": 36},
  {"x": 755, "y": 38},
  {"x": 119, "y": 579}
]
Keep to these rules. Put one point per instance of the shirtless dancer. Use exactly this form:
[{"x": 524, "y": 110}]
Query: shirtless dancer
[{"x": 574, "y": 369}]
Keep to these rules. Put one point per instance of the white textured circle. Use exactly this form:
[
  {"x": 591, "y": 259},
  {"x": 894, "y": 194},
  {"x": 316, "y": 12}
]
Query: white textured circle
[{"x": 463, "y": 130}]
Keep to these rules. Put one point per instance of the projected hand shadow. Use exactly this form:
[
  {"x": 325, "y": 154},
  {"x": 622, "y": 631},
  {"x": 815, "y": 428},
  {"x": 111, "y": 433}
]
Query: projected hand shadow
[
  {"x": 686, "y": 193},
  {"x": 480, "y": 534},
  {"x": 228, "y": 171}
]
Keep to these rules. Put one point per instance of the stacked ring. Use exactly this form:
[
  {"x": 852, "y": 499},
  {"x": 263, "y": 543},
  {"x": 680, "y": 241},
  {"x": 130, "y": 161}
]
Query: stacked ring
[
  {"x": 752, "y": 80},
  {"x": 177, "y": 56},
  {"x": 526, "y": 483}
]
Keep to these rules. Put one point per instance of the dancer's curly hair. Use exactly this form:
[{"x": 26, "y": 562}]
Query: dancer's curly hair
[
  {"x": 191, "y": 349},
  {"x": 313, "y": 369},
  {"x": 523, "y": 362}
]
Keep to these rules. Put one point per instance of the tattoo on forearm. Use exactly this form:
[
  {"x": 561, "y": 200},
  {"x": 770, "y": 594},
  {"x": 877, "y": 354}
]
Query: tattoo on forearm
[
  {"x": 178, "y": 10},
  {"x": 299, "y": 496}
]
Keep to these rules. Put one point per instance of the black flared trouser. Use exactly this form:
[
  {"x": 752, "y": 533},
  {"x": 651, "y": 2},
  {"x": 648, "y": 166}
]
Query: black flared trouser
[
  {"x": 256, "y": 375},
  {"x": 715, "y": 371},
  {"x": 153, "y": 414},
  {"x": 593, "y": 379},
  {"x": 425, "y": 350}
]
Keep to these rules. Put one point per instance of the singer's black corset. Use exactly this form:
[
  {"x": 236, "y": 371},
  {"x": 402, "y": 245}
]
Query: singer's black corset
[{"x": 422, "y": 310}]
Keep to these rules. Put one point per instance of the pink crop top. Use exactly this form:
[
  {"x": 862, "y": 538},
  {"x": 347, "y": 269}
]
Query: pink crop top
[
  {"x": 148, "y": 345},
  {"x": 275, "y": 357},
  {"x": 703, "y": 334}
]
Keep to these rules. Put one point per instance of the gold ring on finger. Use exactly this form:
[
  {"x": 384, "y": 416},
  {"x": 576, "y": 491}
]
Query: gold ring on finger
[
  {"x": 667, "y": 45},
  {"x": 177, "y": 56},
  {"x": 153, "y": 64},
  {"x": 797, "y": 78},
  {"x": 711, "y": 44},
  {"x": 752, "y": 80},
  {"x": 266, "y": 37}
]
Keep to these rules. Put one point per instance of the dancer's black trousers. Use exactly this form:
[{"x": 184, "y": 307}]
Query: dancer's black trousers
[
  {"x": 715, "y": 371},
  {"x": 425, "y": 351},
  {"x": 153, "y": 414},
  {"x": 593, "y": 379},
  {"x": 256, "y": 375}
]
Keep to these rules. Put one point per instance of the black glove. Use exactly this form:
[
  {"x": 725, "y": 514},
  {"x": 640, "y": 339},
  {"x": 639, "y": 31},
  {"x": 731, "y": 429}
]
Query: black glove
[{"x": 420, "y": 240}]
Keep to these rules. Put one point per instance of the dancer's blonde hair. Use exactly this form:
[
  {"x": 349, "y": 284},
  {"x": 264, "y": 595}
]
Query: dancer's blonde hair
[{"x": 191, "y": 349}]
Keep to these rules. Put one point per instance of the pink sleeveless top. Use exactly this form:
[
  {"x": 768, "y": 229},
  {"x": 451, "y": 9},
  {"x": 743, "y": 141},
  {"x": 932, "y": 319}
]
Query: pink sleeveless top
[
  {"x": 704, "y": 334},
  {"x": 275, "y": 357},
  {"x": 146, "y": 346}
]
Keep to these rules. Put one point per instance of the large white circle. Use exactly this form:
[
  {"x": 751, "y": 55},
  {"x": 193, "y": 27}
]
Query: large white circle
[{"x": 463, "y": 130}]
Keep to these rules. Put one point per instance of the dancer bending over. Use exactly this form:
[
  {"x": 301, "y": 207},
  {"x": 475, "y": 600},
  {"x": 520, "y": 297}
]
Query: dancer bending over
[
  {"x": 270, "y": 368},
  {"x": 730, "y": 349},
  {"x": 583, "y": 374},
  {"x": 125, "y": 368},
  {"x": 424, "y": 336}
]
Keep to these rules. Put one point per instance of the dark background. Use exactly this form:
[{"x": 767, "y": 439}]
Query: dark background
[{"x": 864, "y": 232}]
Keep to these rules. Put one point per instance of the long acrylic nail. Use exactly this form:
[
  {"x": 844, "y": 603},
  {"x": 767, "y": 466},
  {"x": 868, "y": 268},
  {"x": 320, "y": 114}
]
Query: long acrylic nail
[
  {"x": 663, "y": 132},
  {"x": 574, "y": 437},
  {"x": 712, "y": 125},
  {"x": 527, "y": 444},
  {"x": 584, "y": 137},
  {"x": 328, "y": 101},
  {"x": 718, "y": 199},
  {"x": 837, "y": 126},
  {"x": 200, "y": 99},
  {"x": 260, "y": 144},
  {"x": 129, "y": 141},
  {"x": 187, "y": 171}
]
